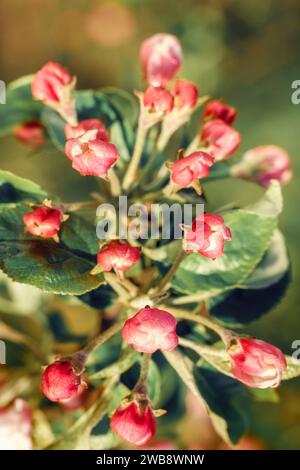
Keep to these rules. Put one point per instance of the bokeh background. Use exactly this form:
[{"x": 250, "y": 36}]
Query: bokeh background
[{"x": 246, "y": 51}]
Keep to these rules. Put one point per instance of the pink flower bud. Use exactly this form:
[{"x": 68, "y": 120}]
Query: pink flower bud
[
  {"x": 49, "y": 83},
  {"x": 158, "y": 100},
  {"x": 186, "y": 94},
  {"x": 118, "y": 256},
  {"x": 90, "y": 155},
  {"x": 16, "y": 426},
  {"x": 263, "y": 164},
  {"x": 161, "y": 58},
  {"x": 191, "y": 168},
  {"x": 73, "y": 132},
  {"x": 134, "y": 424},
  {"x": 256, "y": 363},
  {"x": 151, "y": 329},
  {"x": 30, "y": 133},
  {"x": 218, "y": 110},
  {"x": 43, "y": 222},
  {"x": 221, "y": 140},
  {"x": 60, "y": 381},
  {"x": 207, "y": 236}
]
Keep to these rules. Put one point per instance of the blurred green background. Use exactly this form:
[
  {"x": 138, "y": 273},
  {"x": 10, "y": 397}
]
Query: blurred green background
[{"x": 246, "y": 51}]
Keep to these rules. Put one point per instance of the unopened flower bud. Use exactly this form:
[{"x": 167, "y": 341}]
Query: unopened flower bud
[
  {"x": 133, "y": 423},
  {"x": 151, "y": 329},
  {"x": 221, "y": 140},
  {"x": 207, "y": 236},
  {"x": 256, "y": 363},
  {"x": 161, "y": 58},
  {"x": 30, "y": 133},
  {"x": 60, "y": 381}
]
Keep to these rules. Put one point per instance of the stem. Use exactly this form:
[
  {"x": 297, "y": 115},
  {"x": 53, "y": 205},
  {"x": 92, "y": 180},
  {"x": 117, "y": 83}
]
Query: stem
[
  {"x": 100, "y": 339},
  {"x": 116, "y": 285},
  {"x": 75, "y": 206},
  {"x": 135, "y": 160},
  {"x": 201, "y": 348},
  {"x": 165, "y": 281},
  {"x": 115, "y": 186},
  {"x": 224, "y": 334},
  {"x": 141, "y": 386}
]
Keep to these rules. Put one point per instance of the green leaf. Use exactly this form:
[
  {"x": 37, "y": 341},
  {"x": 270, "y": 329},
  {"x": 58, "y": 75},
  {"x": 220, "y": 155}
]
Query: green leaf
[
  {"x": 272, "y": 267},
  {"x": 252, "y": 230},
  {"x": 218, "y": 393},
  {"x": 223, "y": 397},
  {"x": 240, "y": 306},
  {"x": 261, "y": 292},
  {"x": 20, "y": 106},
  {"x": 62, "y": 267},
  {"x": 16, "y": 189}
]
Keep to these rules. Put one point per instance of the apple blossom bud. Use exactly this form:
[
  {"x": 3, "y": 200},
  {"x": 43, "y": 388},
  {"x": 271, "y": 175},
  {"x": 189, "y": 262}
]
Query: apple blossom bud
[
  {"x": 161, "y": 58},
  {"x": 221, "y": 140},
  {"x": 256, "y": 363},
  {"x": 30, "y": 133},
  {"x": 207, "y": 236},
  {"x": 54, "y": 85},
  {"x": 73, "y": 132},
  {"x": 49, "y": 83},
  {"x": 191, "y": 168},
  {"x": 118, "y": 256},
  {"x": 43, "y": 222},
  {"x": 158, "y": 100},
  {"x": 133, "y": 423},
  {"x": 151, "y": 329},
  {"x": 60, "y": 381},
  {"x": 264, "y": 164},
  {"x": 186, "y": 94},
  {"x": 90, "y": 155},
  {"x": 218, "y": 110},
  {"x": 16, "y": 426}
]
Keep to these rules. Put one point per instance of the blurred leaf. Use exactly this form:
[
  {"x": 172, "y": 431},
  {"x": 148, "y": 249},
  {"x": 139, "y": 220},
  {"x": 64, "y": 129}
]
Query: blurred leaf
[
  {"x": 78, "y": 436},
  {"x": 100, "y": 298},
  {"x": 20, "y": 106},
  {"x": 252, "y": 229},
  {"x": 16, "y": 189},
  {"x": 266, "y": 395}
]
